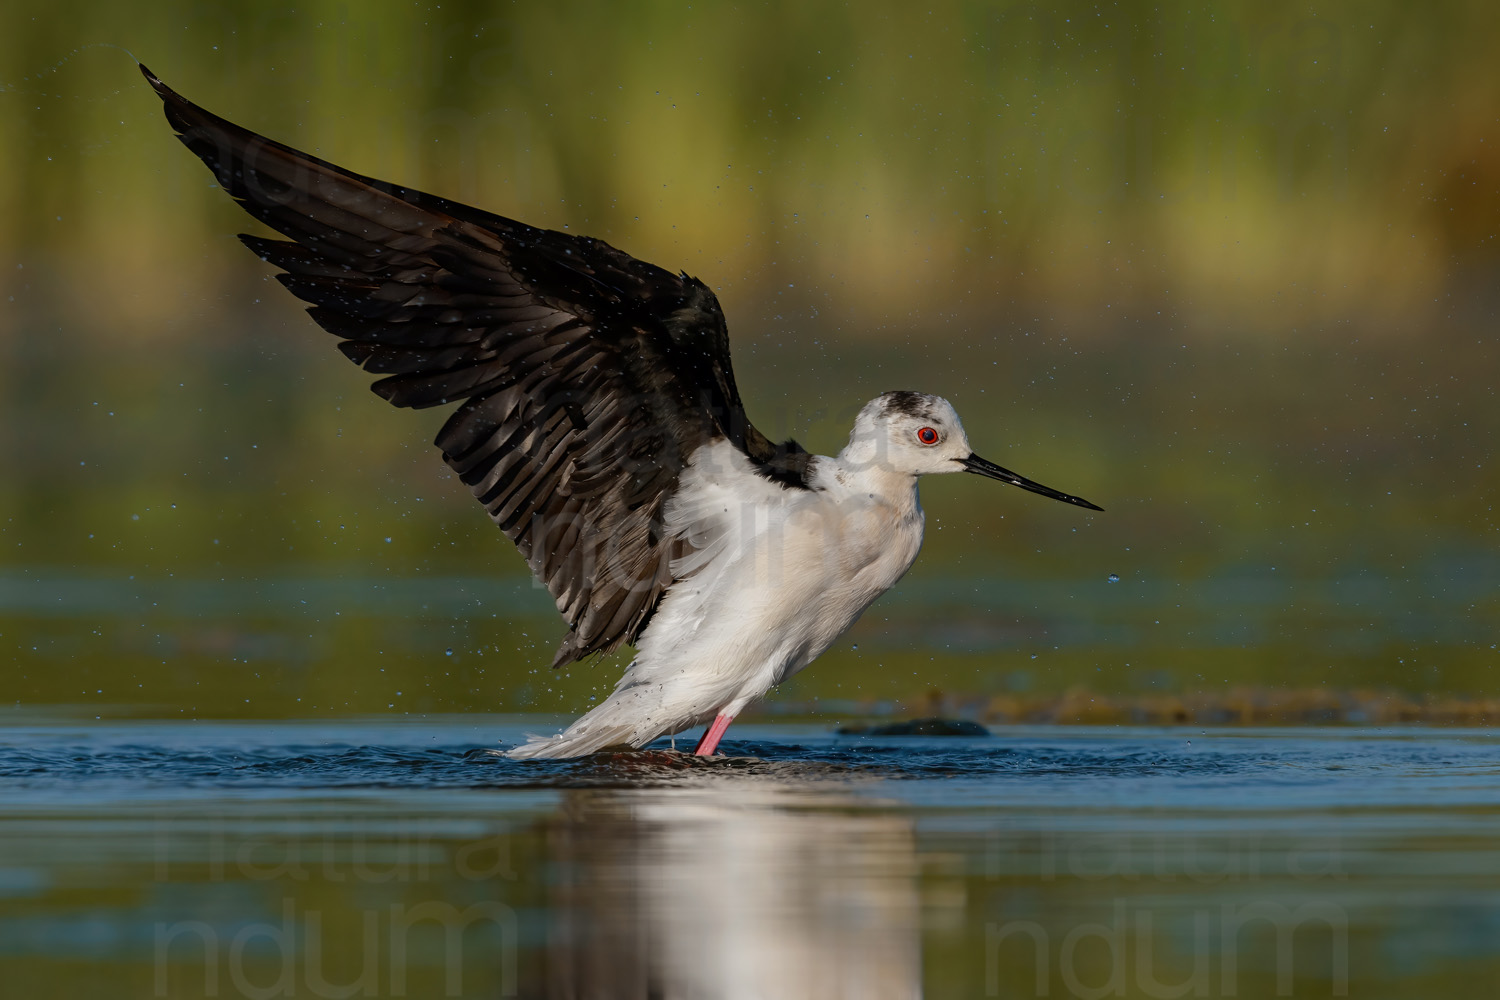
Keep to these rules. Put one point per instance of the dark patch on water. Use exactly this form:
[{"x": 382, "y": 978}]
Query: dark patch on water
[{"x": 916, "y": 727}]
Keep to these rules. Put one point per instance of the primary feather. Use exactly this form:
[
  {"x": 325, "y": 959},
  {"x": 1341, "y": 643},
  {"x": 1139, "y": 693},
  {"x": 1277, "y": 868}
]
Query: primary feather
[{"x": 584, "y": 378}]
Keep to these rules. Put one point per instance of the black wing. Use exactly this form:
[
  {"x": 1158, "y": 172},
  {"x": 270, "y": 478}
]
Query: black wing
[{"x": 585, "y": 378}]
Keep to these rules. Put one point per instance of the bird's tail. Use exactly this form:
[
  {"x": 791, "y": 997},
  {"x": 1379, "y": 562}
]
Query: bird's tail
[
  {"x": 623, "y": 720},
  {"x": 571, "y": 743}
]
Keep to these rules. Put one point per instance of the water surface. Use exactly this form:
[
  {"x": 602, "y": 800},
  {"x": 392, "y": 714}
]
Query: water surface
[{"x": 402, "y": 858}]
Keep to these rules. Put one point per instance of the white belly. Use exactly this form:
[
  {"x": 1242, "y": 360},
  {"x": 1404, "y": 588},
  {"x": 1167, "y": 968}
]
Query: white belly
[{"x": 776, "y": 576}]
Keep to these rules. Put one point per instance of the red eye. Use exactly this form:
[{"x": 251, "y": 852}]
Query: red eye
[{"x": 927, "y": 435}]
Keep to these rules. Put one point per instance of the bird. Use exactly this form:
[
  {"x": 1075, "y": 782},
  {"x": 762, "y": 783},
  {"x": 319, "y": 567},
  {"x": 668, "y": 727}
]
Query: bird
[{"x": 595, "y": 416}]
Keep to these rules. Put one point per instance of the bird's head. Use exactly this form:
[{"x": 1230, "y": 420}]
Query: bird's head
[{"x": 912, "y": 433}]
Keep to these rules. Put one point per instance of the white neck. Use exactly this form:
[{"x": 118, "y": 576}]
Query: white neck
[{"x": 855, "y": 472}]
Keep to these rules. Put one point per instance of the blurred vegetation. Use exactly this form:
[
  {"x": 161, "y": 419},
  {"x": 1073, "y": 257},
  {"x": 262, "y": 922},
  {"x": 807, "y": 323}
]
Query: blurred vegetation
[{"x": 1228, "y": 270}]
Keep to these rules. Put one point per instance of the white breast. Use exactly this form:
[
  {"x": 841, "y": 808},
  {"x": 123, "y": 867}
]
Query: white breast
[{"x": 771, "y": 576}]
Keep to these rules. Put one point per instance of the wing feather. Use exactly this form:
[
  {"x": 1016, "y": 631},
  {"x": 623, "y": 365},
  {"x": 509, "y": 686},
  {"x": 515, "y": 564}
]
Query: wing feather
[{"x": 585, "y": 379}]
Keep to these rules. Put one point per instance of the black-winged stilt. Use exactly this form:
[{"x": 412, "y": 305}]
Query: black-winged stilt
[{"x": 599, "y": 424}]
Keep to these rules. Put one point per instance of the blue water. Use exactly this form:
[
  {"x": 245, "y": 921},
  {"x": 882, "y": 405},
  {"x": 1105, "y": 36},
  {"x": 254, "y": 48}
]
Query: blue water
[{"x": 149, "y": 858}]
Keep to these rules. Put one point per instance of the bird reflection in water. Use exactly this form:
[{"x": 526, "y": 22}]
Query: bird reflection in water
[{"x": 735, "y": 887}]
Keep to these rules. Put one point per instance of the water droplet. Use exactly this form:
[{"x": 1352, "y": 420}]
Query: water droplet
[
  {"x": 448, "y": 652},
  {"x": 1114, "y": 578}
]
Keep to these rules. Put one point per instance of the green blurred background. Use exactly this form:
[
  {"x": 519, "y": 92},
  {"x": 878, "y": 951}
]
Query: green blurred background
[{"x": 1228, "y": 270}]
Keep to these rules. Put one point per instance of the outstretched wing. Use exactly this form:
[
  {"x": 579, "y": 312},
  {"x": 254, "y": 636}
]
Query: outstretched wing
[{"x": 585, "y": 378}]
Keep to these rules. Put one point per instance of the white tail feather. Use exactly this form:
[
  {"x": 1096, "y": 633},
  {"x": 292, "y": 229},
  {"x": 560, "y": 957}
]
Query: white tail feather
[{"x": 617, "y": 722}]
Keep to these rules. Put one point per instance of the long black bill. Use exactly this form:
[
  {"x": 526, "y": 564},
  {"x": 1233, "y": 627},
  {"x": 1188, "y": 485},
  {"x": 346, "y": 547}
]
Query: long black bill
[{"x": 979, "y": 466}]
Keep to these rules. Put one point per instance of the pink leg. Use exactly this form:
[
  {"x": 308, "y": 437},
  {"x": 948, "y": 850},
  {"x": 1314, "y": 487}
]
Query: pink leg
[{"x": 712, "y": 735}]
